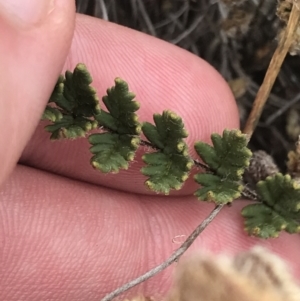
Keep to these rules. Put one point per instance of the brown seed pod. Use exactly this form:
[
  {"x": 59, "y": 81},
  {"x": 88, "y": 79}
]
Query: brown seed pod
[{"x": 261, "y": 166}]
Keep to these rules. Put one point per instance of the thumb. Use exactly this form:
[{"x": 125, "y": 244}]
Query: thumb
[{"x": 35, "y": 39}]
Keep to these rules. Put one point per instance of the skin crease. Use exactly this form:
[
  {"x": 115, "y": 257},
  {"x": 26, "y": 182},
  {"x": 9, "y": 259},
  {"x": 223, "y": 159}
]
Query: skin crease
[{"x": 67, "y": 239}]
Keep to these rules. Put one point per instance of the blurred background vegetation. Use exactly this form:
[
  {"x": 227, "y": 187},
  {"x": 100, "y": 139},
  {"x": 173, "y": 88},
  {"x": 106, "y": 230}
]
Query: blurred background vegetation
[{"x": 238, "y": 38}]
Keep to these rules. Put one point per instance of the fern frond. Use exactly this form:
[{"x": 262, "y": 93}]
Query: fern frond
[
  {"x": 169, "y": 167},
  {"x": 279, "y": 210},
  {"x": 227, "y": 158}
]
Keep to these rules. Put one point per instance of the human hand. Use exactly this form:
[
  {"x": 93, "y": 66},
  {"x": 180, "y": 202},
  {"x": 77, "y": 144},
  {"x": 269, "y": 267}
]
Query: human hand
[{"x": 69, "y": 232}]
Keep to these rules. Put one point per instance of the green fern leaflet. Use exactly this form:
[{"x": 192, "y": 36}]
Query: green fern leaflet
[
  {"x": 73, "y": 105},
  {"x": 227, "y": 159},
  {"x": 113, "y": 150},
  {"x": 169, "y": 167},
  {"x": 279, "y": 210}
]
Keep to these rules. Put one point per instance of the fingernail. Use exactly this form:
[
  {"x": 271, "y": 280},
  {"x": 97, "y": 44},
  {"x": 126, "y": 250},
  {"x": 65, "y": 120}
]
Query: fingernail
[{"x": 26, "y": 12}]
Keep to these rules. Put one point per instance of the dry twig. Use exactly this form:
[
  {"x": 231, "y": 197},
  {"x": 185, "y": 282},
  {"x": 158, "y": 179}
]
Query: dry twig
[{"x": 272, "y": 72}]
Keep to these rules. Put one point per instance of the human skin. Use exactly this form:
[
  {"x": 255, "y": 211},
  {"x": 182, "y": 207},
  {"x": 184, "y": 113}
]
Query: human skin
[{"x": 68, "y": 232}]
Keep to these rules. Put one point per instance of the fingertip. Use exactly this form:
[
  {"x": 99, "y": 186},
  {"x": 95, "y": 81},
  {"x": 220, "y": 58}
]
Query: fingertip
[{"x": 32, "y": 57}]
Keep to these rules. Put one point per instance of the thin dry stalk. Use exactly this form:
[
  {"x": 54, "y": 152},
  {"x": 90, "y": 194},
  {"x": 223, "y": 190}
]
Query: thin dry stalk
[{"x": 272, "y": 72}]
